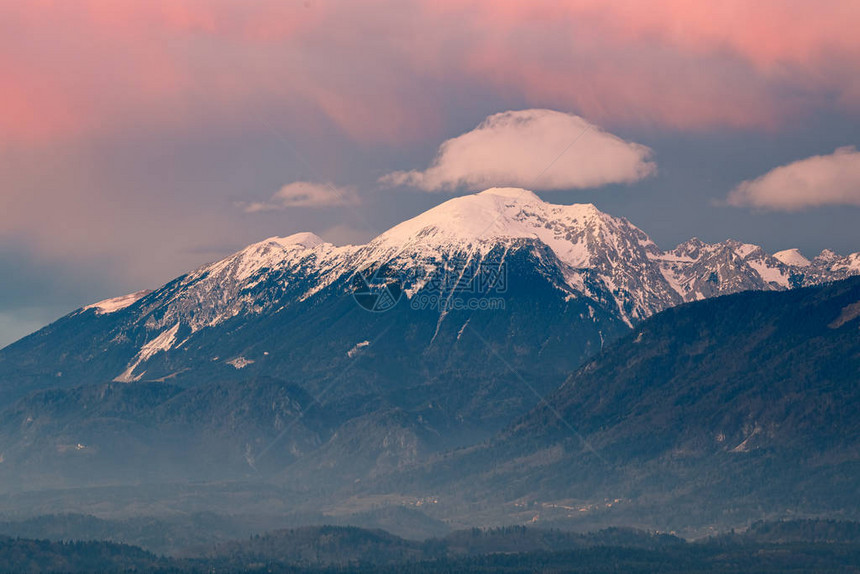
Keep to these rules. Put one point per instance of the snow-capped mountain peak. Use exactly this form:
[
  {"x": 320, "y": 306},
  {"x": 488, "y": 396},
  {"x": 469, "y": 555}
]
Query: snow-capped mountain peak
[
  {"x": 499, "y": 215},
  {"x": 792, "y": 257},
  {"x": 304, "y": 239},
  {"x": 270, "y": 253},
  {"x": 117, "y": 303},
  {"x": 690, "y": 250},
  {"x": 248, "y": 281},
  {"x": 517, "y": 193},
  {"x": 744, "y": 250},
  {"x": 594, "y": 254}
]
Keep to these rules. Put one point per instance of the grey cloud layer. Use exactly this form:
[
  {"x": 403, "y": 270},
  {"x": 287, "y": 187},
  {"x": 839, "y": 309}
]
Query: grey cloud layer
[{"x": 306, "y": 194}]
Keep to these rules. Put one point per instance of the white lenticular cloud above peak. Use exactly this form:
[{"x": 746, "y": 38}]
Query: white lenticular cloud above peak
[
  {"x": 306, "y": 194},
  {"x": 832, "y": 179},
  {"x": 536, "y": 149}
]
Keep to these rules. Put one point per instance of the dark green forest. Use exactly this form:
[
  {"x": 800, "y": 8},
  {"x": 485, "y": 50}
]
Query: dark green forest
[{"x": 788, "y": 546}]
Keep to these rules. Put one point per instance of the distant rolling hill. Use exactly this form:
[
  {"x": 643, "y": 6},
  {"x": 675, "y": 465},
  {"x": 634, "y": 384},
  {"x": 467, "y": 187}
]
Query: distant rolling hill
[{"x": 714, "y": 412}]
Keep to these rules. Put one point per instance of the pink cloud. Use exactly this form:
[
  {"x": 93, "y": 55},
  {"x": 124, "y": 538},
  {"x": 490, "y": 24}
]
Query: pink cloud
[
  {"x": 673, "y": 63},
  {"x": 832, "y": 179},
  {"x": 376, "y": 69},
  {"x": 306, "y": 194},
  {"x": 532, "y": 149}
]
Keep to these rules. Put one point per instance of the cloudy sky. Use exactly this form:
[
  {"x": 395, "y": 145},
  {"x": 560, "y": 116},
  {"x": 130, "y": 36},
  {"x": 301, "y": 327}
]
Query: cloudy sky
[{"x": 139, "y": 139}]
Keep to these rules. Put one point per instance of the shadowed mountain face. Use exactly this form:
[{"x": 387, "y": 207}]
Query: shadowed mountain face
[{"x": 708, "y": 413}]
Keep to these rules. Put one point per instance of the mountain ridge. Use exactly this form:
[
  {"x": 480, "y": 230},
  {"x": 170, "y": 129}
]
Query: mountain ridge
[
  {"x": 474, "y": 222},
  {"x": 493, "y": 314}
]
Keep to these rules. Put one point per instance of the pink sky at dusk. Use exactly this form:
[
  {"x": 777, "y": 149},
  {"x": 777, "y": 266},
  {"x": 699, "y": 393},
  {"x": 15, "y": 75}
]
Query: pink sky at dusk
[
  {"x": 92, "y": 68},
  {"x": 141, "y": 138}
]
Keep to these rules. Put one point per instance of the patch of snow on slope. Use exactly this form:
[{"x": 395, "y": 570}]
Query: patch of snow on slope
[
  {"x": 769, "y": 274},
  {"x": 357, "y": 348},
  {"x": 163, "y": 342},
  {"x": 674, "y": 280},
  {"x": 272, "y": 252},
  {"x": 117, "y": 303},
  {"x": 792, "y": 257},
  {"x": 849, "y": 264},
  {"x": 240, "y": 362},
  {"x": 745, "y": 249},
  {"x": 216, "y": 292}
]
